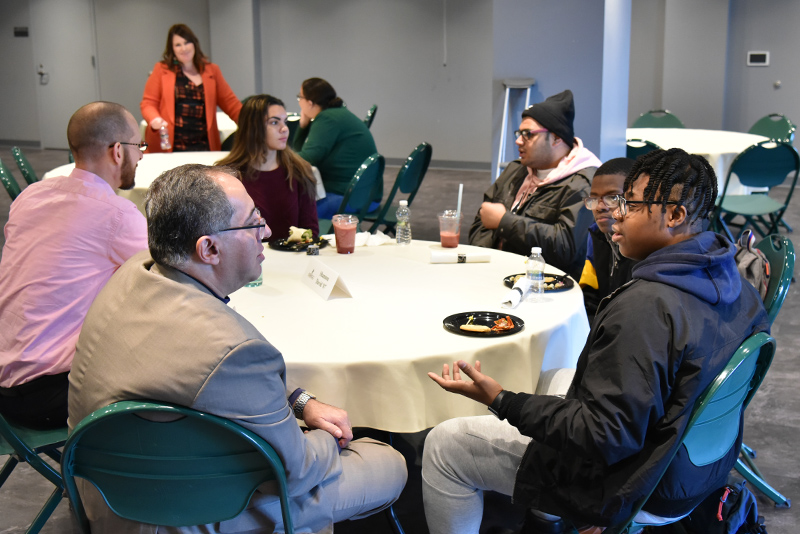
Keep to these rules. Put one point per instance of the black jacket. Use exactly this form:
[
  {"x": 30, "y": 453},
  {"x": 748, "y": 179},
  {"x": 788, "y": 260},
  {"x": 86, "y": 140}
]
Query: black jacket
[
  {"x": 654, "y": 347},
  {"x": 553, "y": 218}
]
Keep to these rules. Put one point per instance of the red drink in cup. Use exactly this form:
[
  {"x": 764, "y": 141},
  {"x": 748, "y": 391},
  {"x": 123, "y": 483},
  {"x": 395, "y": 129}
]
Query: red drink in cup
[
  {"x": 449, "y": 228},
  {"x": 344, "y": 227}
]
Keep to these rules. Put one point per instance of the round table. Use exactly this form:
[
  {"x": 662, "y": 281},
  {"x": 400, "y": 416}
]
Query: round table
[
  {"x": 369, "y": 354},
  {"x": 151, "y": 166},
  {"x": 719, "y": 147}
]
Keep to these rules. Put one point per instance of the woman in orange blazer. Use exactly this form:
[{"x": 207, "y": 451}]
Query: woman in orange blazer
[{"x": 183, "y": 92}]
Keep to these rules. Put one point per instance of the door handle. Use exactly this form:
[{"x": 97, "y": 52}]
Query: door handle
[{"x": 44, "y": 76}]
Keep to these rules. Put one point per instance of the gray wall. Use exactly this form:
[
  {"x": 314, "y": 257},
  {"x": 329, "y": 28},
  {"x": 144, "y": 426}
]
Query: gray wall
[
  {"x": 18, "y": 114},
  {"x": 391, "y": 54},
  {"x": 750, "y": 90},
  {"x": 646, "y": 79}
]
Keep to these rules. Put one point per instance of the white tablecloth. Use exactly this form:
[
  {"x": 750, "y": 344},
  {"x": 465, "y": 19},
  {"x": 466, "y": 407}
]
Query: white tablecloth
[
  {"x": 719, "y": 147},
  {"x": 369, "y": 354},
  {"x": 151, "y": 166}
]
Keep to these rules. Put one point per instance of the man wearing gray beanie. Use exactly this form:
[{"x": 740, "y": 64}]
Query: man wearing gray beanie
[{"x": 538, "y": 200}]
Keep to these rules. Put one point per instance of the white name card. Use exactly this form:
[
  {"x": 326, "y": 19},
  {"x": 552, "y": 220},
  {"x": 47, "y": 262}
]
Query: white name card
[{"x": 324, "y": 281}]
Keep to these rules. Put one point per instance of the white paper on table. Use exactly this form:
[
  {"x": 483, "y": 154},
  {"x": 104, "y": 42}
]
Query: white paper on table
[
  {"x": 325, "y": 281},
  {"x": 444, "y": 256},
  {"x": 517, "y": 293}
]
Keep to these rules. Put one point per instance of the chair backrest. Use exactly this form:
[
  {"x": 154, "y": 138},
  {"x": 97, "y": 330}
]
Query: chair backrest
[
  {"x": 364, "y": 186},
  {"x": 765, "y": 164},
  {"x": 775, "y": 126},
  {"x": 714, "y": 424},
  {"x": 178, "y": 467},
  {"x": 639, "y": 147},
  {"x": 371, "y": 115},
  {"x": 24, "y": 166},
  {"x": 658, "y": 118},
  {"x": 780, "y": 255},
  {"x": 408, "y": 180},
  {"x": 11, "y": 185}
]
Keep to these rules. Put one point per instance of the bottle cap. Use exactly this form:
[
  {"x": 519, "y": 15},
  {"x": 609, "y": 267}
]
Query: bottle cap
[
  {"x": 404, "y": 202},
  {"x": 536, "y": 250}
]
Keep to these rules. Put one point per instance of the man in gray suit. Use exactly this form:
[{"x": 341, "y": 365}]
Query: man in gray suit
[{"x": 161, "y": 329}]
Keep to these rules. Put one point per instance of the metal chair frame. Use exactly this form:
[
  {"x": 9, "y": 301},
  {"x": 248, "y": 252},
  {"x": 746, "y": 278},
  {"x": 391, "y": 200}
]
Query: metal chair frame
[
  {"x": 363, "y": 187},
  {"x": 178, "y": 467},
  {"x": 658, "y": 118},
  {"x": 24, "y": 166},
  {"x": 24, "y": 444},
  {"x": 11, "y": 185}
]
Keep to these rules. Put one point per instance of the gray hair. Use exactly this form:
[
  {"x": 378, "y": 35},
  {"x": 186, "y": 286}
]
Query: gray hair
[
  {"x": 95, "y": 126},
  {"x": 182, "y": 205}
]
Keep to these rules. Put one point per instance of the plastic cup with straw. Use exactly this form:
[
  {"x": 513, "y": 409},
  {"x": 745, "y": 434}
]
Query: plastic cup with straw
[{"x": 450, "y": 223}]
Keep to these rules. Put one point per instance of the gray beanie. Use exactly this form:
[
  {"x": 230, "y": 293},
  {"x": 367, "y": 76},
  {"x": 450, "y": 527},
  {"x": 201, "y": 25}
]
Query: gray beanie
[{"x": 556, "y": 114}]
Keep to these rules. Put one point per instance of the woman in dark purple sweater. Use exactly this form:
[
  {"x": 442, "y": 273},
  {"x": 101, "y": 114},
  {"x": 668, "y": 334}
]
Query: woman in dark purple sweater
[{"x": 280, "y": 182}]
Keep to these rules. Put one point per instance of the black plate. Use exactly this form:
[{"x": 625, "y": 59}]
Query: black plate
[
  {"x": 454, "y": 322},
  {"x": 569, "y": 283},
  {"x": 297, "y": 246}
]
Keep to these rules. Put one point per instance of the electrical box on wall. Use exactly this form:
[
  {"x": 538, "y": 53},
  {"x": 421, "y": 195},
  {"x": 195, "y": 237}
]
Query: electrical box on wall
[{"x": 758, "y": 59}]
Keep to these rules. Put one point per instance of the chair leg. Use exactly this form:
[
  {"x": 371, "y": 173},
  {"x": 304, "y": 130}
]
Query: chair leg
[
  {"x": 393, "y": 521},
  {"x": 46, "y": 511},
  {"x": 747, "y": 451},
  {"x": 758, "y": 482},
  {"x": 788, "y": 228},
  {"x": 9, "y": 466}
]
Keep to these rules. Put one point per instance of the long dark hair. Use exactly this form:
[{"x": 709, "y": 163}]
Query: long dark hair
[
  {"x": 321, "y": 93},
  {"x": 182, "y": 30},
  {"x": 250, "y": 146}
]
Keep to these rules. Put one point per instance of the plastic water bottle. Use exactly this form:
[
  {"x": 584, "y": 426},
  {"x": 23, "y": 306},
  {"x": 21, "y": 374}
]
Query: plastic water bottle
[
  {"x": 165, "y": 144},
  {"x": 534, "y": 269},
  {"x": 403, "y": 228}
]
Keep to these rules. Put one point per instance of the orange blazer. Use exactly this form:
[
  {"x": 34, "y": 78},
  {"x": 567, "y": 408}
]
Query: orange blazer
[{"x": 158, "y": 100}]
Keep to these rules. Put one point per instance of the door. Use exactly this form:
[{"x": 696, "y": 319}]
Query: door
[{"x": 64, "y": 64}]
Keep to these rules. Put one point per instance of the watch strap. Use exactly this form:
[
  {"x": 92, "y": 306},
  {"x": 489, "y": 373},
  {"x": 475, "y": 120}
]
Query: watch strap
[
  {"x": 494, "y": 407},
  {"x": 300, "y": 403}
]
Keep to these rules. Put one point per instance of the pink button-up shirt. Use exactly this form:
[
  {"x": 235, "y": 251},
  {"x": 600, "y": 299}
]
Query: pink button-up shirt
[{"x": 65, "y": 237}]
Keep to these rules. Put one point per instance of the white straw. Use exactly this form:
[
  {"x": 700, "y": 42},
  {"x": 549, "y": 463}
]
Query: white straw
[{"x": 460, "y": 192}]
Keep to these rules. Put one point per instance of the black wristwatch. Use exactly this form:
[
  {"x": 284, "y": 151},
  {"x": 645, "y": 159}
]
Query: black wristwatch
[{"x": 494, "y": 407}]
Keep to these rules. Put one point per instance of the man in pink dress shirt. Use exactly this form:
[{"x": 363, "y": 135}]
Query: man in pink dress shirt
[{"x": 65, "y": 237}]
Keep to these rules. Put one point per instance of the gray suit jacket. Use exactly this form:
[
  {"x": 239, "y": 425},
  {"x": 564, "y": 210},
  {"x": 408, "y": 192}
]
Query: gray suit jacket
[{"x": 156, "y": 333}]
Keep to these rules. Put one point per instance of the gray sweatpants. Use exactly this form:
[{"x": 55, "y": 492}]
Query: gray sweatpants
[{"x": 462, "y": 458}]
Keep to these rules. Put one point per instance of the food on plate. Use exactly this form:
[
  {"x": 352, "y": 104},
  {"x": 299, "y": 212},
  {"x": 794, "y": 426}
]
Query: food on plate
[
  {"x": 475, "y": 328},
  {"x": 299, "y": 235},
  {"x": 503, "y": 323}
]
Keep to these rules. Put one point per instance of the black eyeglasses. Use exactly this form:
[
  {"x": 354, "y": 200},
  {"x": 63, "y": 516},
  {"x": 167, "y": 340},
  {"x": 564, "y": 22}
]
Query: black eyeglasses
[
  {"x": 142, "y": 146},
  {"x": 610, "y": 201},
  {"x": 528, "y": 134},
  {"x": 623, "y": 204},
  {"x": 299, "y": 97},
  {"x": 262, "y": 226}
]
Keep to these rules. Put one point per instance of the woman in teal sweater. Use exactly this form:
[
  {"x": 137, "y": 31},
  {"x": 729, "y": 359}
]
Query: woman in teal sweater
[{"x": 336, "y": 142}]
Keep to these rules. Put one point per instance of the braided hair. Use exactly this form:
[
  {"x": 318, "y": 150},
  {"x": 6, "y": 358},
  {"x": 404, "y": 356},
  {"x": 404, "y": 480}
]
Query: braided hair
[{"x": 673, "y": 172}]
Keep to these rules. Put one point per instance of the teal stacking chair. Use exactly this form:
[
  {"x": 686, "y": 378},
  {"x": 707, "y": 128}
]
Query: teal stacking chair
[
  {"x": 714, "y": 424},
  {"x": 658, "y": 118},
  {"x": 408, "y": 180},
  {"x": 179, "y": 467},
  {"x": 11, "y": 185},
  {"x": 775, "y": 126},
  {"x": 639, "y": 147},
  {"x": 780, "y": 254},
  {"x": 371, "y": 115},
  {"x": 363, "y": 187},
  {"x": 764, "y": 165},
  {"x": 24, "y": 444},
  {"x": 24, "y": 166}
]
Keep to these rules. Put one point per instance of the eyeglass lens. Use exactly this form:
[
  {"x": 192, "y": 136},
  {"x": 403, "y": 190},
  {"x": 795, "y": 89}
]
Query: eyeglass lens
[{"x": 610, "y": 201}]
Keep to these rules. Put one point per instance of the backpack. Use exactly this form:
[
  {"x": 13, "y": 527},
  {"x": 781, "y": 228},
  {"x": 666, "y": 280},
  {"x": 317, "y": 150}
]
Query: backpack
[
  {"x": 752, "y": 263},
  {"x": 731, "y": 509}
]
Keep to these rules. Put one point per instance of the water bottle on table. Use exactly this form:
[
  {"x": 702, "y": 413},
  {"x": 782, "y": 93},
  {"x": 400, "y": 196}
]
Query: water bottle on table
[
  {"x": 534, "y": 270},
  {"x": 403, "y": 228}
]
